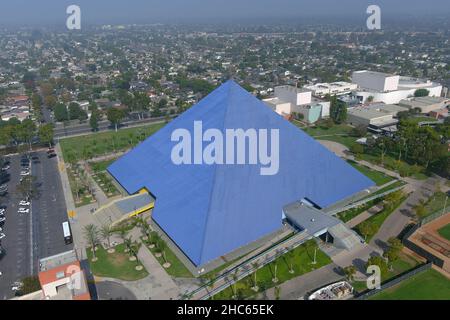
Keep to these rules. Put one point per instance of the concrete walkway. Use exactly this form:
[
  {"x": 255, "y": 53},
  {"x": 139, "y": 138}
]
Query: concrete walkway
[{"x": 298, "y": 288}]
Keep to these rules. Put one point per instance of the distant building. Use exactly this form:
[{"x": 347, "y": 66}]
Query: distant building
[
  {"x": 335, "y": 88},
  {"x": 375, "y": 115},
  {"x": 426, "y": 104},
  {"x": 389, "y": 88},
  {"x": 289, "y": 100}
]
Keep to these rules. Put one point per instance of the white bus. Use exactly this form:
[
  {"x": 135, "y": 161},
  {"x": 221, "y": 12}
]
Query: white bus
[{"x": 67, "y": 233}]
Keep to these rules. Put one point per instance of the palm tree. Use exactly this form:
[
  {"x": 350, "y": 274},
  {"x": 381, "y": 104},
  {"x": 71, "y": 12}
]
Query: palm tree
[
  {"x": 290, "y": 256},
  {"x": 144, "y": 227},
  {"x": 233, "y": 286},
  {"x": 91, "y": 235},
  {"x": 122, "y": 233},
  {"x": 106, "y": 232},
  {"x": 255, "y": 266},
  {"x": 128, "y": 245},
  {"x": 275, "y": 270}
]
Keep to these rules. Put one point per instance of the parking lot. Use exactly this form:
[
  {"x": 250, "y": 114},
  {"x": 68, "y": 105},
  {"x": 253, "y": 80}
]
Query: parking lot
[{"x": 38, "y": 233}]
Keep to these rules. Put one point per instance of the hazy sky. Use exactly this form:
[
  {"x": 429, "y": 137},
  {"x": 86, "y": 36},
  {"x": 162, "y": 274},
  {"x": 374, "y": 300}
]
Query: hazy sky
[{"x": 24, "y": 12}]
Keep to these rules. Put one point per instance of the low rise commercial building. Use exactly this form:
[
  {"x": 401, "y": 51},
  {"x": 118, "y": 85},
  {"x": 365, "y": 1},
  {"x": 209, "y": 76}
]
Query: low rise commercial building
[
  {"x": 388, "y": 88},
  {"x": 426, "y": 104},
  {"x": 335, "y": 88},
  {"x": 290, "y": 100},
  {"x": 374, "y": 115}
]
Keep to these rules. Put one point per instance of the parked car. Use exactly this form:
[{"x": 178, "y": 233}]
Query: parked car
[
  {"x": 25, "y": 173},
  {"x": 2, "y": 219},
  {"x": 2, "y": 236},
  {"x": 51, "y": 155},
  {"x": 24, "y": 203},
  {"x": 6, "y": 167},
  {"x": 23, "y": 210}
]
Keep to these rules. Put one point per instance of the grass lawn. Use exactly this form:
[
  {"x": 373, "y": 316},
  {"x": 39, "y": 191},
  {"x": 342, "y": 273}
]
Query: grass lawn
[
  {"x": 115, "y": 265},
  {"x": 445, "y": 232},
  {"x": 301, "y": 261},
  {"x": 177, "y": 269},
  {"x": 378, "y": 177},
  {"x": 318, "y": 131},
  {"x": 101, "y": 166},
  {"x": 379, "y": 218},
  {"x": 428, "y": 285},
  {"x": 101, "y": 143},
  {"x": 389, "y": 187}
]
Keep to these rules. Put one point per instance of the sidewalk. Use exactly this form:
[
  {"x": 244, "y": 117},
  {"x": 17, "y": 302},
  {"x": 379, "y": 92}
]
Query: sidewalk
[
  {"x": 297, "y": 288},
  {"x": 158, "y": 285}
]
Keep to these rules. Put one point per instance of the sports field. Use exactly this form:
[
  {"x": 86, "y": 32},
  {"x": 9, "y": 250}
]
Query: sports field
[{"x": 428, "y": 285}]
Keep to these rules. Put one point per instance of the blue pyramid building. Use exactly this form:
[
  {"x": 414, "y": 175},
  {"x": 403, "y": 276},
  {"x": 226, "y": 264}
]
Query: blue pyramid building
[{"x": 209, "y": 211}]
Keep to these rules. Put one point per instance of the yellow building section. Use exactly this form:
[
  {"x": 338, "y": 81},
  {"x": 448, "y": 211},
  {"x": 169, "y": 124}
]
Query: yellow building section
[
  {"x": 143, "y": 209},
  {"x": 143, "y": 190}
]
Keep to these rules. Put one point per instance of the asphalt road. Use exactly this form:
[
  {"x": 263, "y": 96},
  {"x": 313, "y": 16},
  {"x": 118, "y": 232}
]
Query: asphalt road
[
  {"x": 108, "y": 290},
  {"x": 30, "y": 237}
]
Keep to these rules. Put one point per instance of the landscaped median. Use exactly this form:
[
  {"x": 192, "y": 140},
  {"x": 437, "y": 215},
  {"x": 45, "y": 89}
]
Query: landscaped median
[
  {"x": 295, "y": 263},
  {"x": 368, "y": 228},
  {"x": 118, "y": 264}
]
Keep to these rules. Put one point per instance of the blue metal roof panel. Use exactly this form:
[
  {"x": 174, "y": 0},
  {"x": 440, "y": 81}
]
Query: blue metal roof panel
[{"x": 209, "y": 211}]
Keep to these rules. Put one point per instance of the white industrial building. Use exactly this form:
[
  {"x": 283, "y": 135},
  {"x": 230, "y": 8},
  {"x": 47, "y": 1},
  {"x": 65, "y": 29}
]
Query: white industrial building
[
  {"x": 389, "y": 88},
  {"x": 289, "y": 100},
  {"x": 335, "y": 88}
]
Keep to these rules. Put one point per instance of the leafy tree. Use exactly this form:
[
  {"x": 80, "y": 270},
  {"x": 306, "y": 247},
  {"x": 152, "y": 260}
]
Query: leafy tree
[
  {"x": 27, "y": 131},
  {"x": 349, "y": 272},
  {"x": 93, "y": 121},
  {"x": 46, "y": 134},
  {"x": 380, "y": 262},
  {"x": 359, "y": 131},
  {"x": 366, "y": 228},
  {"x": 338, "y": 110},
  {"x": 395, "y": 246},
  {"x": 357, "y": 149},
  {"x": 420, "y": 210},
  {"x": 115, "y": 116},
  {"x": 60, "y": 112},
  {"x": 74, "y": 111},
  {"x": 421, "y": 93},
  {"x": 50, "y": 101}
]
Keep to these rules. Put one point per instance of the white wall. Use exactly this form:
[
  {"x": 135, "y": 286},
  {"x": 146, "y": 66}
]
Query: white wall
[
  {"x": 394, "y": 97},
  {"x": 293, "y": 95},
  {"x": 375, "y": 81}
]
